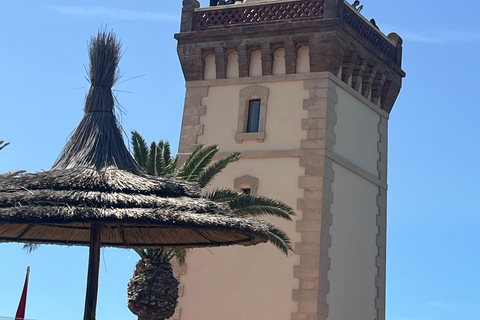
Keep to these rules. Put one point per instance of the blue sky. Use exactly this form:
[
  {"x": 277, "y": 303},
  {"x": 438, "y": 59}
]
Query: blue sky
[{"x": 433, "y": 199}]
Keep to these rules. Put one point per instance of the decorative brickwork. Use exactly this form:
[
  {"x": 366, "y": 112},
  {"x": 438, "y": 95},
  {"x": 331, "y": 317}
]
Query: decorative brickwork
[
  {"x": 316, "y": 220},
  {"x": 221, "y": 17},
  {"x": 369, "y": 33},
  {"x": 191, "y": 127},
  {"x": 371, "y": 79}
]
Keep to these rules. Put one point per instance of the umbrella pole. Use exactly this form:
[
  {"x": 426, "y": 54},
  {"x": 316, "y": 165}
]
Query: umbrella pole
[{"x": 93, "y": 270}]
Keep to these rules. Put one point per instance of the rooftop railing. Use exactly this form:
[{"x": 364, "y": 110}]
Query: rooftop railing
[
  {"x": 370, "y": 33},
  {"x": 281, "y": 11},
  {"x": 235, "y": 15}
]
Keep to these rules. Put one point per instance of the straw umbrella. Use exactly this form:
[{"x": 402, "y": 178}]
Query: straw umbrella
[{"x": 96, "y": 194}]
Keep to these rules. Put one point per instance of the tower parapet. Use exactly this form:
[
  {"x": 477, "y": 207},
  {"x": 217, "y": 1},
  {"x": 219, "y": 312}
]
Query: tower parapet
[{"x": 340, "y": 41}]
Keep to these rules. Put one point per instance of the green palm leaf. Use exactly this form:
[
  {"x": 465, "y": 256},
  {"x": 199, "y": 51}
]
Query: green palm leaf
[
  {"x": 211, "y": 171},
  {"x": 253, "y": 206},
  {"x": 222, "y": 195},
  {"x": 167, "y": 153},
  {"x": 160, "y": 166},
  {"x": 197, "y": 162},
  {"x": 140, "y": 149},
  {"x": 280, "y": 239},
  {"x": 30, "y": 247},
  {"x": 150, "y": 167},
  {"x": 172, "y": 165}
]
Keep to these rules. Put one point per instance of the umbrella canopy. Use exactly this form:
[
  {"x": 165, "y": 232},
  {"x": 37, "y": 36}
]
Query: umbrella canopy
[
  {"x": 58, "y": 207},
  {"x": 96, "y": 194}
]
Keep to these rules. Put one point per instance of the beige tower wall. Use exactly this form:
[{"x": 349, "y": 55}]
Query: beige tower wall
[
  {"x": 353, "y": 250},
  {"x": 358, "y": 227},
  {"x": 244, "y": 283},
  {"x": 324, "y": 153},
  {"x": 326, "y": 79},
  {"x": 241, "y": 283},
  {"x": 283, "y": 124},
  {"x": 356, "y": 132}
]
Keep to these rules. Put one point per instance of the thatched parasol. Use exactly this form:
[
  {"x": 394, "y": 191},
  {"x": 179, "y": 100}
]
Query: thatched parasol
[{"x": 97, "y": 195}]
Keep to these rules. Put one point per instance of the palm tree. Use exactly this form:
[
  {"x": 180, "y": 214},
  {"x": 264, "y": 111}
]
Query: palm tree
[{"x": 153, "y": 290}]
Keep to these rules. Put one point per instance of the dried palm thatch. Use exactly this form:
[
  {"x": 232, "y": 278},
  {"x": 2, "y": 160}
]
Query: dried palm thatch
[
  {"x": 57, "y": 207},
  {"x": 96, "y": 194},
  {"x": 97, "y": 142}
]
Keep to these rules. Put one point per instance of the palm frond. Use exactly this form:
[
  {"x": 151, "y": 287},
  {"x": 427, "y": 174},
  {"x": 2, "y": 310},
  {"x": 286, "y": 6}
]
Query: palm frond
[
  {"x": 150, "y": 168},
  {"x": 163, "y": 254},
  {"x": 30, "y": 247},
  {"x": 3, "y": 145},
  {"x": 249, "y": 205},
  {"x": 141, "y": 252},
  {"x": 167, "y": 153},
  {"x": 197, "y": 162},
  {"x": 279, "y": 239},
  {"x": 197, "y": 148},
  {"x": 172, "y": 165},
  {"x": 160, "y": 166},
  {"x": 222, "y": 195},
  {"x": 140, "y": 149},
  {"x": 178, "y": 253},
  {"x": 211, "y": 171}
]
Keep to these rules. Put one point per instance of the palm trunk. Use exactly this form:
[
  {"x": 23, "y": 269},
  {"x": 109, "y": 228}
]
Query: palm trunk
[{"x": 153, "y": 290}]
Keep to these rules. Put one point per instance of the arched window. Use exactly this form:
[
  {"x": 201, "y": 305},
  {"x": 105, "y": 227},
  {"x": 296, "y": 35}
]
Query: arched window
[
  {"x": 255, "y": 69},
  {"x": 232, "y": 66},
  {"x": 279, "y": 62},
  {"x": 303, "y": 60},
  {"x": 210, "y": 72}
]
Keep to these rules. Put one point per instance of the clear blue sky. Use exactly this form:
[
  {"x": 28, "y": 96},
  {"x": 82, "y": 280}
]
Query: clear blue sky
[{"x": 433, "y": 200}]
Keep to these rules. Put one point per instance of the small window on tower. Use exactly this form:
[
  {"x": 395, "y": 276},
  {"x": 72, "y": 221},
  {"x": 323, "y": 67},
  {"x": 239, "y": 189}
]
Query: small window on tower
[
  {"x": 246, "y": 190},
  {"x": 253, "y": 120},
  {"x": 246, "y": 185},
  {"x": 252, "y": 114}
]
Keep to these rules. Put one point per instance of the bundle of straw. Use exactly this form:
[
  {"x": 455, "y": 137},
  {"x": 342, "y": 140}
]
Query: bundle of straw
[{"x": 97, "y": 142}]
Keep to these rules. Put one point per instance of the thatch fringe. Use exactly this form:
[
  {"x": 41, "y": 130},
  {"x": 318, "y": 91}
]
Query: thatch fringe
[{"x": 109, "y": 180}]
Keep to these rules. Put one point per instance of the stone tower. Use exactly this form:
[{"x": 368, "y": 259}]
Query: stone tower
[{"x": 304, "y": 89}]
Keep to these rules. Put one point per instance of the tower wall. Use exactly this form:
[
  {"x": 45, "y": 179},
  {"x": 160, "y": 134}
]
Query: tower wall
[{"x": 321, "y": 147}]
